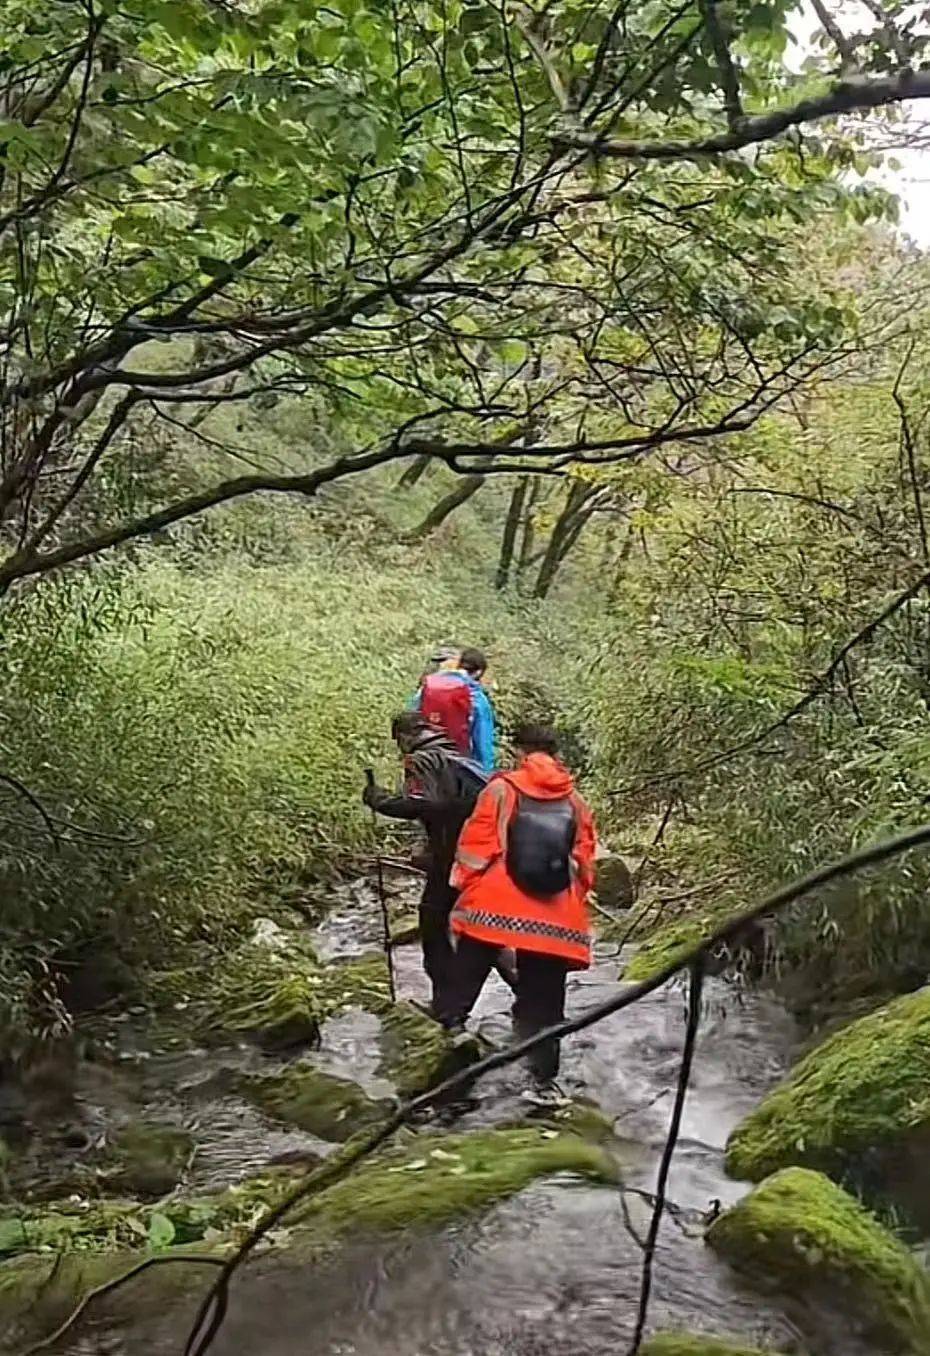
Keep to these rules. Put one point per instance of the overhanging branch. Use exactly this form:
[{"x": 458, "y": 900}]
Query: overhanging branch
[{"x": 852, "y": 95}]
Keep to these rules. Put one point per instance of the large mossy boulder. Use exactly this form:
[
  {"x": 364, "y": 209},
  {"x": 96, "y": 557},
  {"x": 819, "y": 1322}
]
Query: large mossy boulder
[
  {"x": 332, "y": 1108},
  {"x": 860, "y": 1101},
  {"x": 801, "y": 1232},
  {"x": 613, "y": 882},
  {"x": 694, "y": 1344}
]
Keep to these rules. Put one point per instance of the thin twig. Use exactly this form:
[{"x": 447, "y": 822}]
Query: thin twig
[
  {"x": 36, "y": 804},
  {"x": 668, "y": 1153},
  {"x": 819, "y": 688}
]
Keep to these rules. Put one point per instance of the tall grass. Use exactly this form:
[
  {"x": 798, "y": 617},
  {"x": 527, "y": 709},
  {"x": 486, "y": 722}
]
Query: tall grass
[{"x": 198, "y": 728}]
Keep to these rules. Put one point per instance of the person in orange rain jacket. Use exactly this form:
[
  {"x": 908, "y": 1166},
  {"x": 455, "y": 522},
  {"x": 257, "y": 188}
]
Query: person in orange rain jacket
[{"x": 524, "y": 866}]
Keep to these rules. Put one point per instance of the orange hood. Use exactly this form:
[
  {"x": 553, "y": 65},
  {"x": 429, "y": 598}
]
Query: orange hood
[{"x": 543, "y": 777}]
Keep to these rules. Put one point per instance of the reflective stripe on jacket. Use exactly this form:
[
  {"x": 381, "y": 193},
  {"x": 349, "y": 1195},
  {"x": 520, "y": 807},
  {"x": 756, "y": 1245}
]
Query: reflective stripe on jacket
[{"x": 491, "y": 906}]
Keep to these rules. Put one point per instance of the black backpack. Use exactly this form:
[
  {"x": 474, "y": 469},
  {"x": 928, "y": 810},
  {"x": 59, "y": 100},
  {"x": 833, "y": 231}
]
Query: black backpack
[{"x": 539, "y": 845}]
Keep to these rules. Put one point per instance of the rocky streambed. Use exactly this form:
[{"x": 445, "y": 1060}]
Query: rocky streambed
[{"x": 482, "y": 1229}]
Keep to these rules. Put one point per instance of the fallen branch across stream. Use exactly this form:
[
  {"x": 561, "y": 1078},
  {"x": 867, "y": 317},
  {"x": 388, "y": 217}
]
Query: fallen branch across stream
[{"x": 213, "y": 1309}]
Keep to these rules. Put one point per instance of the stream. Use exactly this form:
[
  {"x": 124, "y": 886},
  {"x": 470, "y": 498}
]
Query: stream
[{"x": 555, "y": 1269}]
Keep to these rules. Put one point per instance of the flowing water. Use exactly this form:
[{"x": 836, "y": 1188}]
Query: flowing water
[{"x": 555, "y": 1270}]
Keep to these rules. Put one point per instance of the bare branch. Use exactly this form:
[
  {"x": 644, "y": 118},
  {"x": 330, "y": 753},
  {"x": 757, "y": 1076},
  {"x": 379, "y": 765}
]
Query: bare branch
[{"x": 834, "y": 33}]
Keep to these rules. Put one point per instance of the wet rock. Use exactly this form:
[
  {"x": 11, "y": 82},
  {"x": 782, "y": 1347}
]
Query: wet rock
[
  {"x": 695, "y": 1344},
  {"x": 584, "y": 1119},
  {"x": 332, "y": 1108},
  {"x": 417, "y": 1051},
  {"x": 267, "y": 934},
  {"x": 405, "y": 929},
  {"x": 148, "y": 1159},
  {"x": 361, "y": 983},
  {"x": 798, "y": 1231},
  {"x": 99, "y": 977},
  {"x": 430, "y": 1180},
  {"x": 39, "y": 1293},
  {"x": 858, "y": 1104},
  {"x": 614, "y": 882}
]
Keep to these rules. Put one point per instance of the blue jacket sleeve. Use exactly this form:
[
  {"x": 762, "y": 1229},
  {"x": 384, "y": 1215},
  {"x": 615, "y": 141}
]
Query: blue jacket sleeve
[{"x": 482, "y": 730}]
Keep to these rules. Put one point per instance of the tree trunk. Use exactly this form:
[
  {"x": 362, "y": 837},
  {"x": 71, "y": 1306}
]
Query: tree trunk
[
  {"x": 529, "y": 529},
  {"x": 468, "y": 486},
  {"x": 511, "y": 528},
  {"x": 414, "y": 471},
  {"x": 566, "y": 532}
]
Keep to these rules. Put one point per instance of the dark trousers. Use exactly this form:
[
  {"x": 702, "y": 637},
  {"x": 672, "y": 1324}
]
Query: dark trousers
[
  {"x": 438, "y": 954},
  {"x": 540, "y": 995}
]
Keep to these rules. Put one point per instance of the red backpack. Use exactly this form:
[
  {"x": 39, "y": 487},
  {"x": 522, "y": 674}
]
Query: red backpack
[{"x": 445, "y": 701}]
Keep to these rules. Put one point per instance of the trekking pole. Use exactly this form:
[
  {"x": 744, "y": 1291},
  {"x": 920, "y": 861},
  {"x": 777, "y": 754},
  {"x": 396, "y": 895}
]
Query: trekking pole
[{"x": 382, "y": 896}]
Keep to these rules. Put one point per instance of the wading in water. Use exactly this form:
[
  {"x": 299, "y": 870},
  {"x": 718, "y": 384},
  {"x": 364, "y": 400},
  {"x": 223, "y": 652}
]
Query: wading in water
[
  {"x": 524, "y": 867},
  {"x": 510, "y": 868},
  {"x": 440, "y": 790}
]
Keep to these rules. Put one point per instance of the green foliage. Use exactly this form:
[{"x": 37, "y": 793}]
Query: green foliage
[
  {"x": 807, "y": 1234},
  {"x": 745, "y": 582},
  {"x": 204, "y": 721},
  {"x": 864, "y": 1091},
  {"x": 693, "y": 1344}
]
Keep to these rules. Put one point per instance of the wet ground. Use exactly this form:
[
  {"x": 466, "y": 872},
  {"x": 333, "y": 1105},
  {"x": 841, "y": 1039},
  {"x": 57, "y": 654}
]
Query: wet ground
[{"x": 555, "y": 1270}]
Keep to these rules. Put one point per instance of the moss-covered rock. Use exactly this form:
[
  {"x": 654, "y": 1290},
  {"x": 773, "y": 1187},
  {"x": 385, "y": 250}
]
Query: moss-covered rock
[
  {"x": 39, "y": 1293},
  {"x": 332, "y": 1108},
  {"x": 417, "y": 1051},
  {"x": 435, "y": 1178},
  {"x": 865, "y": 1091},
  {"x": 801, "y": 1231},
  {"x": 669, "y": 943},
  {"x": 279, "y": 995},
  {"x": 147, "y": 1159},
  {"x": 359, "y": 983},
  {"x": 694, "y": 1344},
  {"x": 405, "y": 929},
  {"x": 613, "y": 882},
  {"x": 664, "y": 948},
  {"x": 106, "y": 1225},
  {"x": 421, "y": 1181}
]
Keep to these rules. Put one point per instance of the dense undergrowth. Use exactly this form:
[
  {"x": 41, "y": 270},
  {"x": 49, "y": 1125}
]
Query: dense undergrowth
[
  {"x": 196, "y": 714},
  {"x": 197, "y": 721}
]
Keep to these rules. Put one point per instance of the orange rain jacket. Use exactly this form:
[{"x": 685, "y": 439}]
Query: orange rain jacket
[{"x": 491, "y": 907}]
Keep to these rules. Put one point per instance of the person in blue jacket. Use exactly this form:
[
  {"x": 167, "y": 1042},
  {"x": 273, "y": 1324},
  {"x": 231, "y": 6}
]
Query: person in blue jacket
[{"x": 454, "y": 699}]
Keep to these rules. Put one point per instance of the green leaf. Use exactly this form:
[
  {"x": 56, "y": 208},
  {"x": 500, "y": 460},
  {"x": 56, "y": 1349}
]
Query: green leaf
[
  {"x": 161, "y": 1230},
  {"x": 514, "y": 351}
]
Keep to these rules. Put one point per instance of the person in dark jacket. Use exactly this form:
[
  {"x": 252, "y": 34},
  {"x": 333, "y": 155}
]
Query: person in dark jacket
[{"x": 441, "y": 787}]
